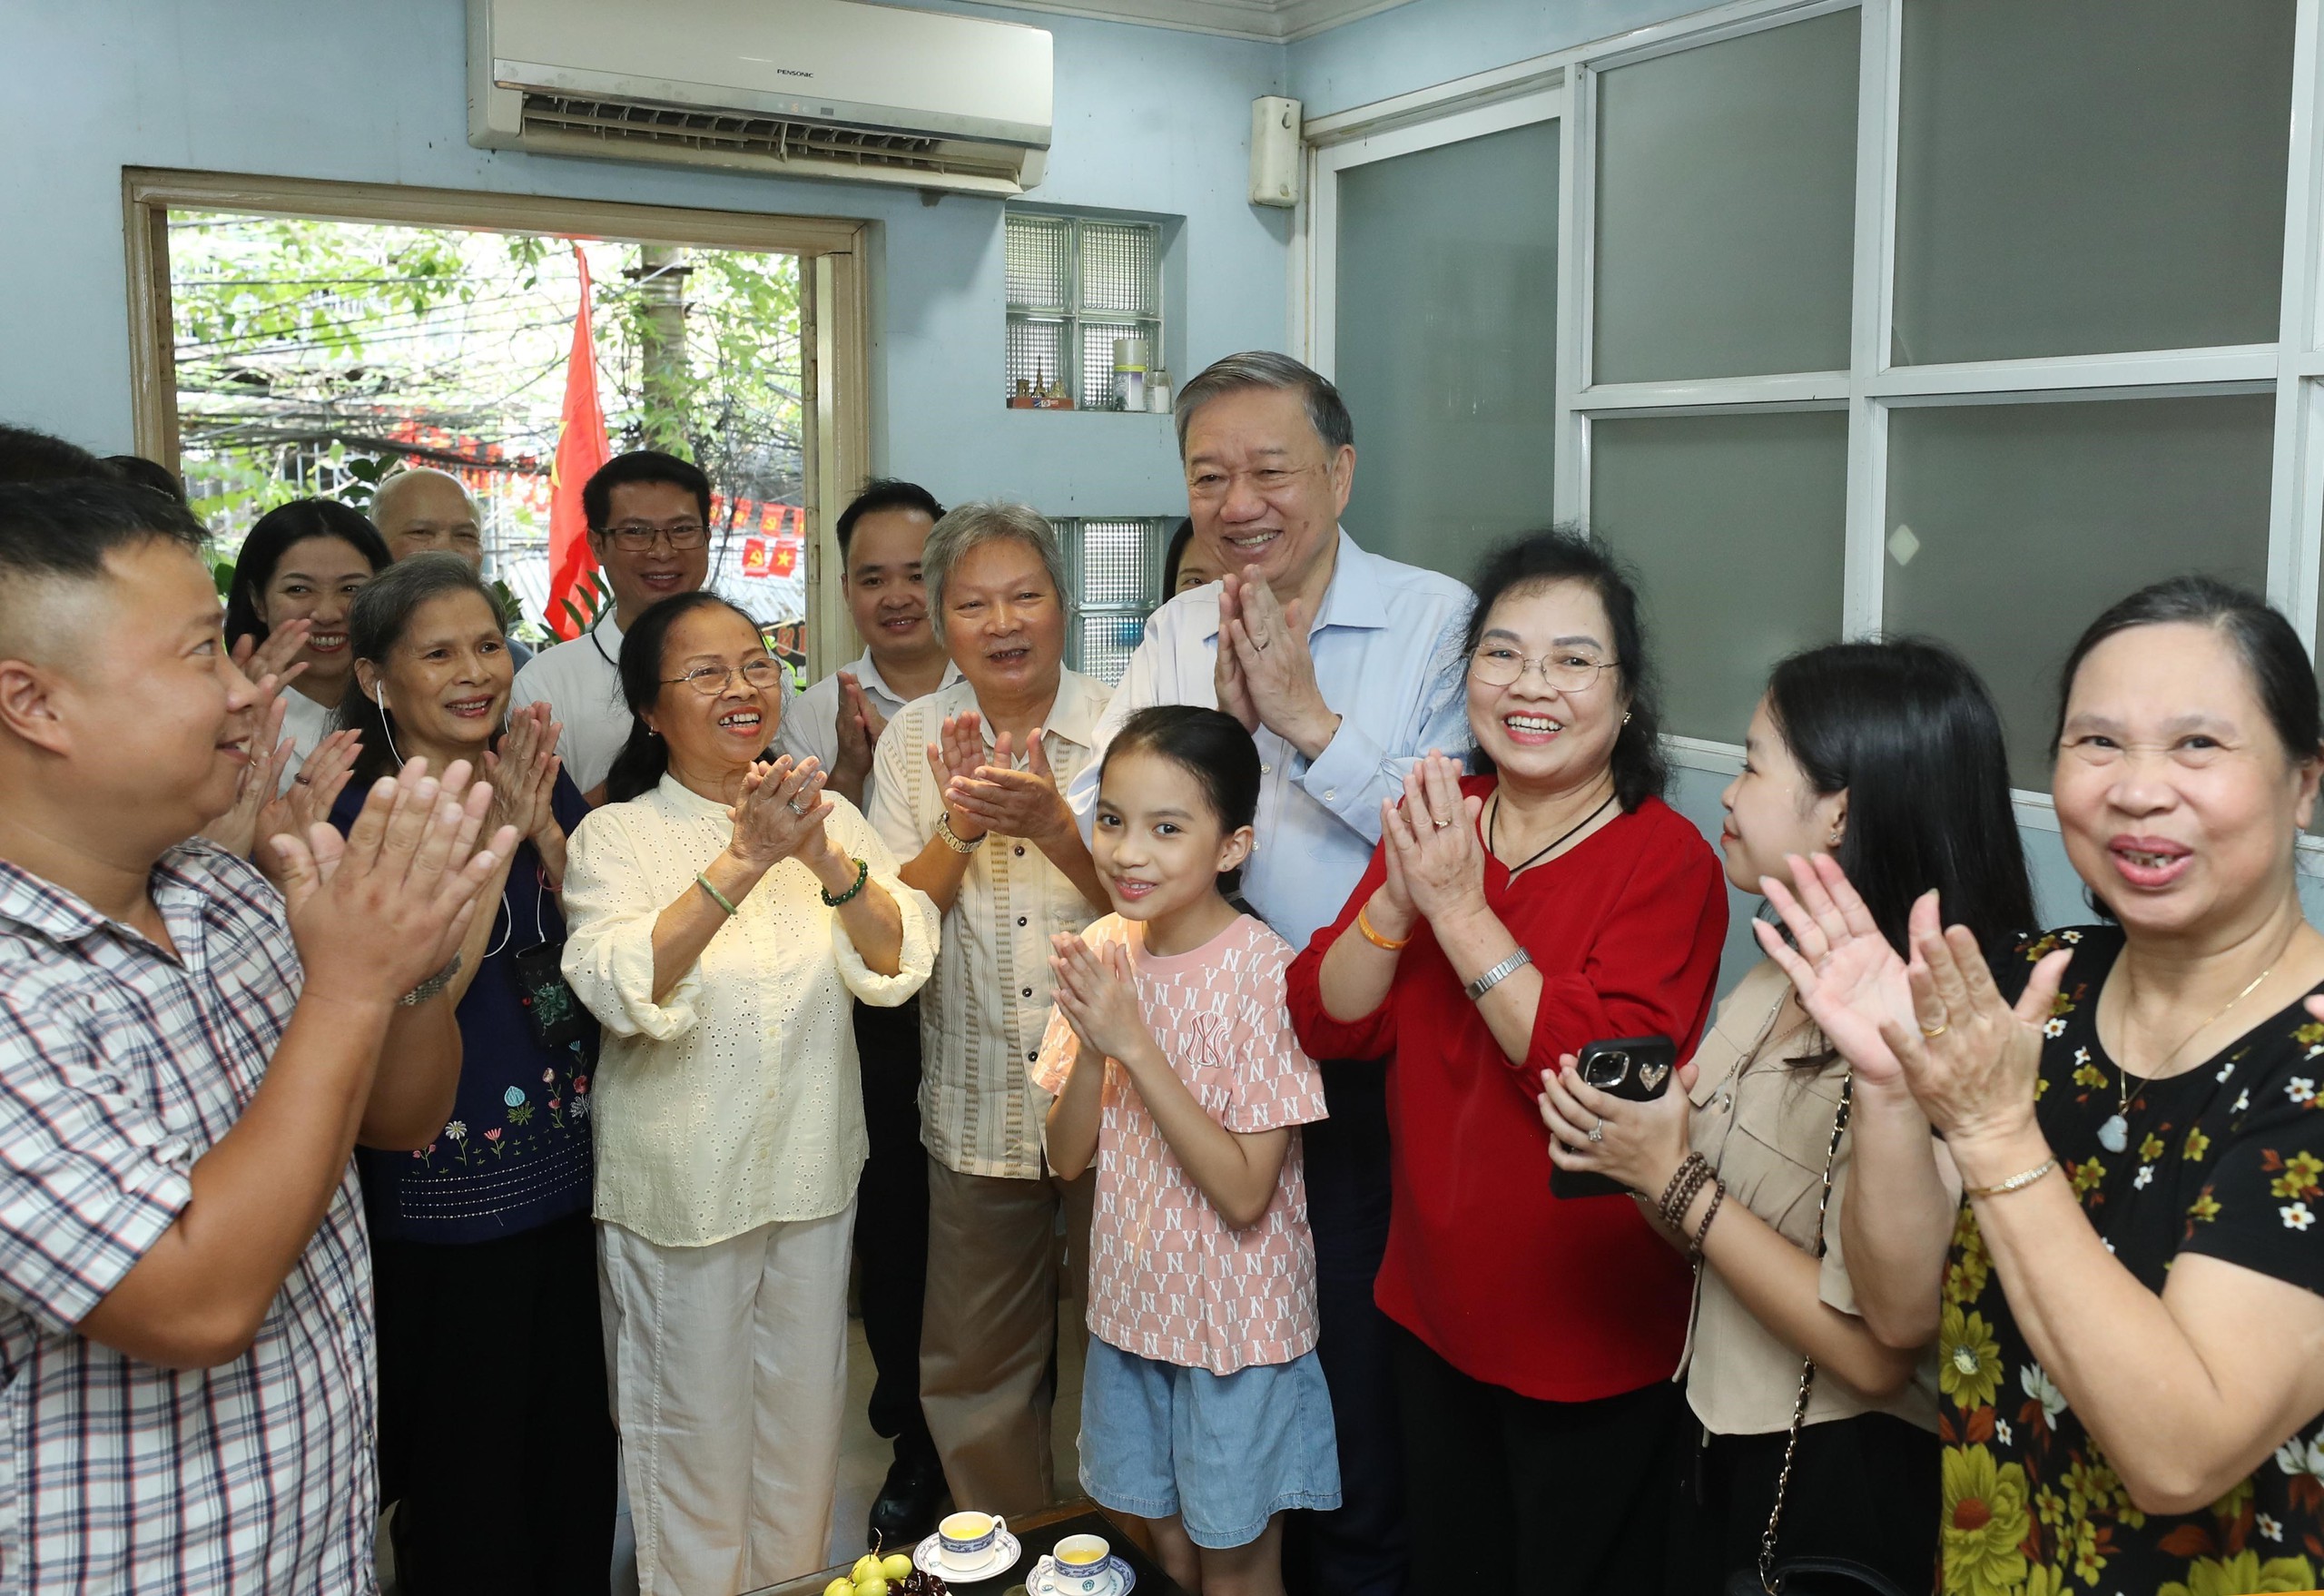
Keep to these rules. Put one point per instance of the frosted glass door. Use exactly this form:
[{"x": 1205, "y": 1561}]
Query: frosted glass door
[{"x": 1445, "y": 343}]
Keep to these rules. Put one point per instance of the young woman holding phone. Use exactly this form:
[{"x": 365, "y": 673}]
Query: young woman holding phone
[{"x": 1887, "y": 757}]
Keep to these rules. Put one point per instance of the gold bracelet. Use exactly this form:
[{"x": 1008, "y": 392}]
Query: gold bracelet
[
  {"x": 1385, "y": 944},
  {"x": 2015, "y": 1183}
]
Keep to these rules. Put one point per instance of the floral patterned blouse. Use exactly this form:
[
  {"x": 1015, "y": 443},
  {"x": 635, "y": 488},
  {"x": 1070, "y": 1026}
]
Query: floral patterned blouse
[{"x": 2226, "y": 1160}]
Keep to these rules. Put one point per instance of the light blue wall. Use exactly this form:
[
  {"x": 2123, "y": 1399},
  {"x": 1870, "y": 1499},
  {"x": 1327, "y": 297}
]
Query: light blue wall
[{"x": 1147, "y": 120}]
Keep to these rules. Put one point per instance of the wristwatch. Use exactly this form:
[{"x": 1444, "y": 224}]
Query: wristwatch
[
  {"x": 953, "y": 838},
  {"x": 1497, "y": 974},
  {"x": 431, "y": 985}
]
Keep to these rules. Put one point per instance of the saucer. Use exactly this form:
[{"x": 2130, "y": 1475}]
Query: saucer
[
  {"x": 1041, "y": 1582},
  {"x": 929, "y": 1558}
]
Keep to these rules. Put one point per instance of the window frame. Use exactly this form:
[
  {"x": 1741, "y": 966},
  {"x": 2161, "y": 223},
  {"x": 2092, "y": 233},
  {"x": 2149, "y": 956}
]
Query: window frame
[
  {"x": 1155, "y": 533},
  {"x": 1565, "y": 83},
  {"x": 833, "y": 315},
  {"x": 1072, "y": 316}
]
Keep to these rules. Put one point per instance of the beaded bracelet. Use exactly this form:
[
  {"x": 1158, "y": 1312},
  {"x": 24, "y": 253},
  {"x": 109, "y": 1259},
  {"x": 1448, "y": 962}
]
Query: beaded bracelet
[
  {"x": 1718, "y": 1196},
  {"x": 1679, "y": 1195},
  {"x": 862, "y": 874}
]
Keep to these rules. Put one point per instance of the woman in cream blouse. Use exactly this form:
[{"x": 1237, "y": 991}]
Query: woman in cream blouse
[
  {"x": 1887, "y": 757},
  {"x": 729, "y": 1118}
]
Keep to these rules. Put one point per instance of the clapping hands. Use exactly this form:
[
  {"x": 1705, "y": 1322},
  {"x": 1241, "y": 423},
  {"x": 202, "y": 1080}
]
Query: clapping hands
[
  {"x": 1937, "y": 1023},
  {"x": 523, "y": 771},
  {"x": 1435, "y": 862},
  {"x": 983, "y": 795},
  {"x": 858, "y": 723},
  {"x": 780, "y": 814},
  {"x": 378, "y": 912},
  {"x": 1097, "y": 994},
  {"x": 1264, "y": 674}
]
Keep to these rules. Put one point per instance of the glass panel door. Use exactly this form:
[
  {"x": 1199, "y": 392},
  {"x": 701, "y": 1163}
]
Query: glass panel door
[{"x": 1444, "y": 334}]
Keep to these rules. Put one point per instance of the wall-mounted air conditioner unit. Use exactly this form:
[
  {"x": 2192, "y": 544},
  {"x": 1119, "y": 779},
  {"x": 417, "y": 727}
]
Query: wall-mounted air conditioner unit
[{"x": 803, "y": 88}]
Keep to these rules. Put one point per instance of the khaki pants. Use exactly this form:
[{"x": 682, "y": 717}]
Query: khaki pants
[
  {"x": 729, "y": 1367},
  {"x": 988, "y": 1344}
]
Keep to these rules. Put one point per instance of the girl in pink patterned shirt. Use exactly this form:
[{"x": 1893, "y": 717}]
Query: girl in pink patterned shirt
[{"x": 1172, "y": 1062}]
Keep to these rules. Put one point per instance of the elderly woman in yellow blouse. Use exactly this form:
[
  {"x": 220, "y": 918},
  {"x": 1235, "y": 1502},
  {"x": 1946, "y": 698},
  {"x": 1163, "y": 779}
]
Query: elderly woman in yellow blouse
[{"x": 723, "y": 912}]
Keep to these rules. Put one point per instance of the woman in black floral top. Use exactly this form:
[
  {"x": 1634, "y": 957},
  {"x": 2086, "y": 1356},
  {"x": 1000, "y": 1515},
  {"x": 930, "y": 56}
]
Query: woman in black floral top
[{"x": 2127, "y": 1308}]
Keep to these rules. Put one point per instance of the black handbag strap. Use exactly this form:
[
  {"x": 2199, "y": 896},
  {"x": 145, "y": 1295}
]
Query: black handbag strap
[{"x": 1807, "y": 1365}]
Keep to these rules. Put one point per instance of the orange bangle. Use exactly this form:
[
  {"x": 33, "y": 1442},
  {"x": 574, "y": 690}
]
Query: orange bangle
[{"x": 1385, "y": 944}]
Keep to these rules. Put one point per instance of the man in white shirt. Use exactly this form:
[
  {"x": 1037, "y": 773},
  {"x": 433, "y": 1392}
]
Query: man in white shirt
[
  {"x": 1345, "y": 667},
  {"x": 993, "y": 844},
  {"x": 422, "y": 510},
  {"x": 839, "y": 721},
  {"x": 649, "y": 527}
]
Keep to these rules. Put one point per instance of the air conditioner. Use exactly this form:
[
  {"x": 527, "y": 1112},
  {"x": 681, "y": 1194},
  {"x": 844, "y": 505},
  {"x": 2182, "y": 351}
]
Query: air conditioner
[{"x": 803, "y": 88}]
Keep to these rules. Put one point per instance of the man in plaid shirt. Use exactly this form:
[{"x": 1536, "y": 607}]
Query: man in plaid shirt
[{"x": 187, "y": 1058}]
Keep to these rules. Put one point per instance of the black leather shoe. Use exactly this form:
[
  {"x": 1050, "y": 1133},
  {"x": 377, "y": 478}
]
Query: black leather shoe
[{"x": 905, "y": 1512}]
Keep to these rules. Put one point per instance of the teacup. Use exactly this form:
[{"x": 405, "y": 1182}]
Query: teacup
[
  {"x": 1082, "y": 1566},
  {"x": 966, "y": 1538}
]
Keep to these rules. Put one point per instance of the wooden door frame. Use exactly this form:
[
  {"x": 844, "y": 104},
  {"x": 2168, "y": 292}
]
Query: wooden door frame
[{"x": 836, "y": 411}]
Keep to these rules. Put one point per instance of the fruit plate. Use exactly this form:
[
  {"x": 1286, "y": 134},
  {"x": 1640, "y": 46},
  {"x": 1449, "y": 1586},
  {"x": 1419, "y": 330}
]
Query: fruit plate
[
  {"x": 1041, "y": 1581},
  {"x": 929, "y": 1558}
]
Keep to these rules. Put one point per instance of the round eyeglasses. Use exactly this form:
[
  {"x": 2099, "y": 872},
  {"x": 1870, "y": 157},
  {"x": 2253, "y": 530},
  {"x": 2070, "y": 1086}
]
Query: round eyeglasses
[{"x": 1563, "y": 670}]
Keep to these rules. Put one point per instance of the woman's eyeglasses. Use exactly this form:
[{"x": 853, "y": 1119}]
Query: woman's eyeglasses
[
  {"x": 1569, "y": 670},
  {"x": 710, "y": 681}
]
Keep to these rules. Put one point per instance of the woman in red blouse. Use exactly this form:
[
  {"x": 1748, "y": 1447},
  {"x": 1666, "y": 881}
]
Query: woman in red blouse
[{"x": 1510, "y": 918}]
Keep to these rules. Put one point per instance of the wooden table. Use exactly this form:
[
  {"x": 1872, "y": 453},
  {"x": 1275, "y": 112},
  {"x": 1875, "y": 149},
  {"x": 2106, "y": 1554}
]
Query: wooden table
[{"x": 1036, "y": 1534}]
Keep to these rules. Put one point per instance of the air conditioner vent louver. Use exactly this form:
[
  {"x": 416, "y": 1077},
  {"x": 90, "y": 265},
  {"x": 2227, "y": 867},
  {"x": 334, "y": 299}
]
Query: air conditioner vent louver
[{"x": 627, "y": 122}]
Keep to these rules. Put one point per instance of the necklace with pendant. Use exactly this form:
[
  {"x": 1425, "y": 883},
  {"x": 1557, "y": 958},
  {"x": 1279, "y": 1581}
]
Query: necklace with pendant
[{"x": 2115, "y": 1136}]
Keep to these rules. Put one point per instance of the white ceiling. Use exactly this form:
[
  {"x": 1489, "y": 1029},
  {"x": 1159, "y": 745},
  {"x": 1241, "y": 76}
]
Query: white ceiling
[{"x": 1273, "y": 20}]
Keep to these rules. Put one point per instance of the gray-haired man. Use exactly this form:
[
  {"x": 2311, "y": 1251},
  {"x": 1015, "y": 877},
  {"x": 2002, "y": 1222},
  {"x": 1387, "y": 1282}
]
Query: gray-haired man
[{"x": 994, "y": 845}]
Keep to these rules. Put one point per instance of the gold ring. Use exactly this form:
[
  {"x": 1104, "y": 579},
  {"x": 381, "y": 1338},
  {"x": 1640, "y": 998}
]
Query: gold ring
[{"x": 1929, "y": 1035}]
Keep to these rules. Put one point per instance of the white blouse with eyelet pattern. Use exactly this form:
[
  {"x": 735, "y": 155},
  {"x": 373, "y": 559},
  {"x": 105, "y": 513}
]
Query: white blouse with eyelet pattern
[{"x": 735, "y": 1101}]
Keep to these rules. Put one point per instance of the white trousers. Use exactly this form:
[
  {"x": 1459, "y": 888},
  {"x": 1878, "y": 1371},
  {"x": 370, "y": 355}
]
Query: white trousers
[{"x": 730, "y": 1384}]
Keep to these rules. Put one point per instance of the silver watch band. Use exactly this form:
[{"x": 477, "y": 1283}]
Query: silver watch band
[
  {"x": 1497, "y": 974},
  {"x": 434, "y": 984}
]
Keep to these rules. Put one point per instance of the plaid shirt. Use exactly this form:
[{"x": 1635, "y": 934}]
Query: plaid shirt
[{"x": 119, "y": 1067}]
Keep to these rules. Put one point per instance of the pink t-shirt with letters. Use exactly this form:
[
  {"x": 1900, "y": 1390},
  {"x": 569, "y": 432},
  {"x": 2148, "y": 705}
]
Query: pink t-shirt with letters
[{"x": 1169, "y": 1280}]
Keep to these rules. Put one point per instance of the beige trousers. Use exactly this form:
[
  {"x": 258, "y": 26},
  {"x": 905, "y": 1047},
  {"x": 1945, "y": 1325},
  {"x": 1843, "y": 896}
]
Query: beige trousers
[
  {"x": 987, "y": 1340},
  {"x": 730, "y": 1366}
]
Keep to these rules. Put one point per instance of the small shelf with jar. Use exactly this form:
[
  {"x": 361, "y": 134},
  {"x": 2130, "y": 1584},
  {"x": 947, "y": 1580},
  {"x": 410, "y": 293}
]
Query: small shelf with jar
[{"x": 1084, "y": 313}]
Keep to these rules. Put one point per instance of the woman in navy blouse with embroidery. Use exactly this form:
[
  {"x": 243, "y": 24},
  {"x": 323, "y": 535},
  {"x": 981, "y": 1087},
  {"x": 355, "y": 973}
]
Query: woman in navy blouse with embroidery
[
  {"x": 1507, "y": 920},
  {"x": 494, "y": 1439}
]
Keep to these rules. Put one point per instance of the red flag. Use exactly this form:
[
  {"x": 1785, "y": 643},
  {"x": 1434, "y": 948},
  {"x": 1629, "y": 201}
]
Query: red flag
[{"x": 581, "y": 449}]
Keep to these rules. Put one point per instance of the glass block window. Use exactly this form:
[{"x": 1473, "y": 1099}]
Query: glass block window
[
  {"x": 1115, "y": 566},
  {"x": 1076, "y": 284}
]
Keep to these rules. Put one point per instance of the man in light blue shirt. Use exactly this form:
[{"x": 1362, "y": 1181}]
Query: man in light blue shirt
[{"x": 1346, "y": 667}]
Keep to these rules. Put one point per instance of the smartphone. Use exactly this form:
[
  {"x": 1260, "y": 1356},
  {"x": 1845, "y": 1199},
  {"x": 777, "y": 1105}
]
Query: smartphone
[{"x": 1637, "y": 1068}]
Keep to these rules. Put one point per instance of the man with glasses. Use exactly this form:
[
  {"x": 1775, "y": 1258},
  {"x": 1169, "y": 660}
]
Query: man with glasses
[
  {"x": 1345, "y": 667},
  {"x": 649, "y": 527}
]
